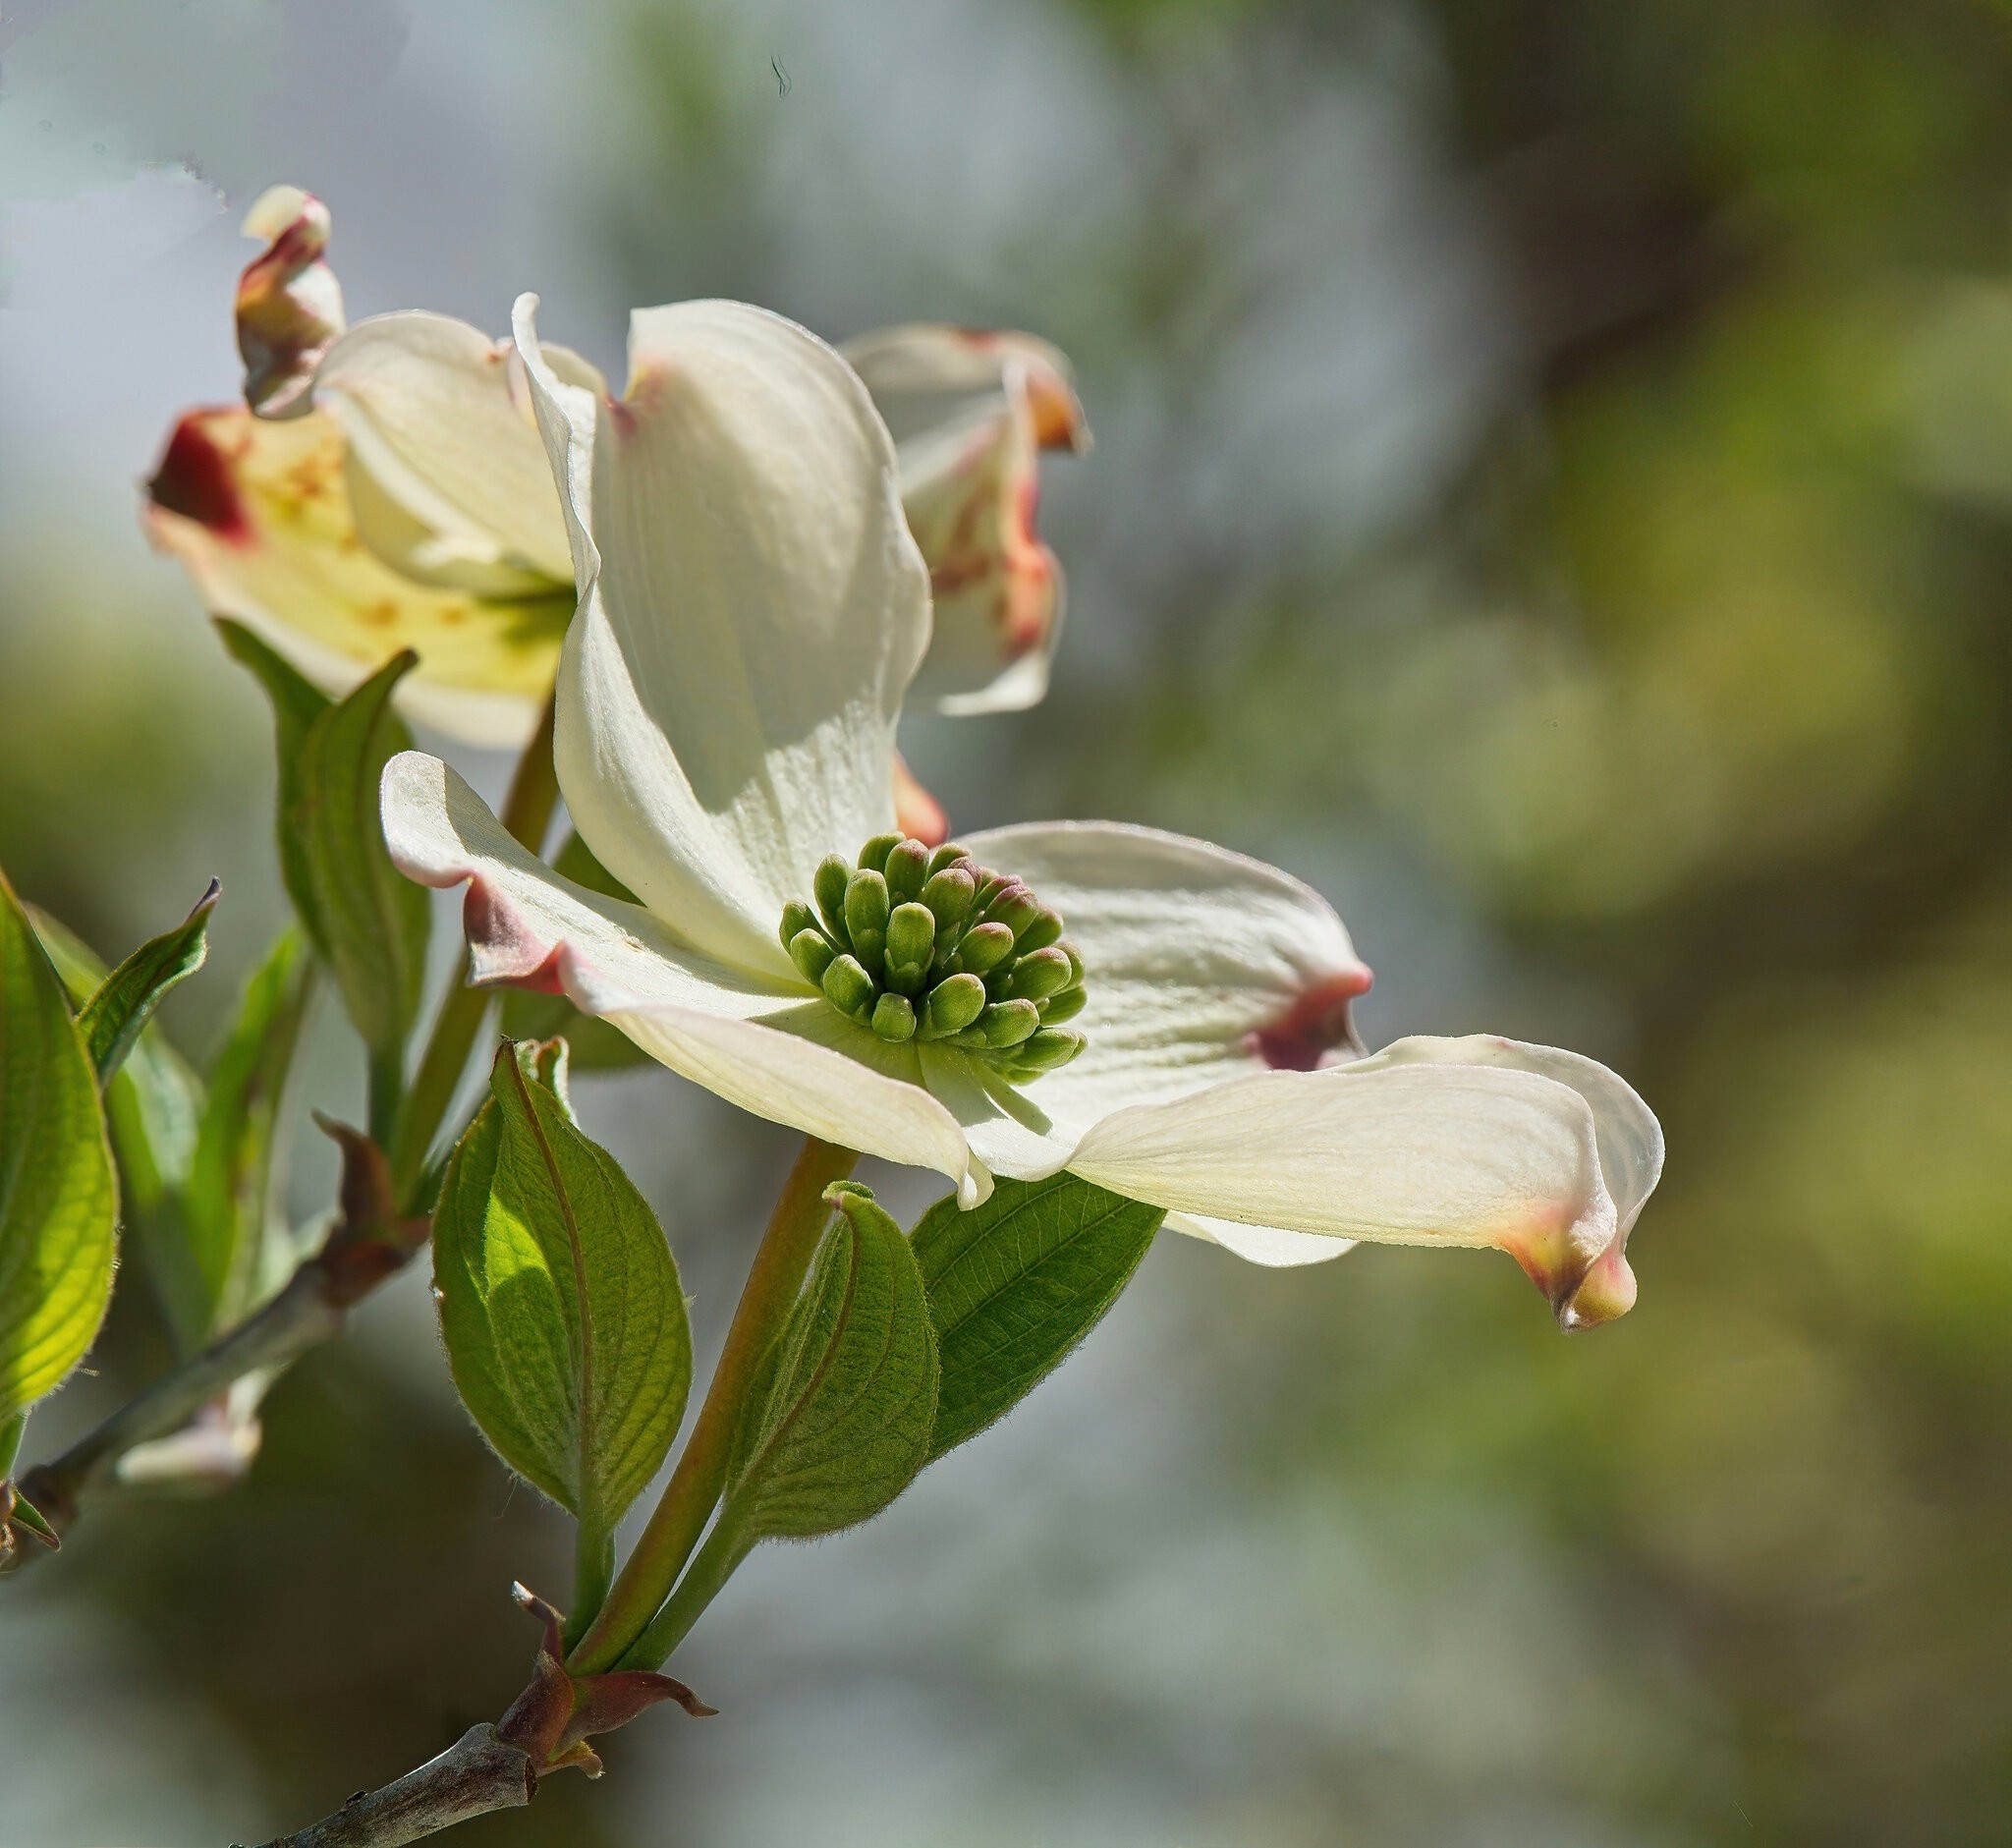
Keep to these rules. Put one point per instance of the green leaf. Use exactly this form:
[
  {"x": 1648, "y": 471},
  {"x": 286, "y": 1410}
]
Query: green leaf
[
  {"x": 1016, "y": 1283},
  {"x": 58, "y": 1200},
  {"x": 840, "y": 1418},
  {"x": 559, "y": 1299},
  {"x": 596, "y": 1045},
  {"x": 234, "y": 1241},
  {"x": 295, "y": 704},
  {"x": 11, "y": 1429},
  {"x": 154, "y": 1106},
  {"x": 112, "y": 1018},
  {"x": 367, "y": 922}
]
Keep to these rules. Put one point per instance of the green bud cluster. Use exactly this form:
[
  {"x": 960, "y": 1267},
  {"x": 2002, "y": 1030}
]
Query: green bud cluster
[{"x": 926, "y": 945}]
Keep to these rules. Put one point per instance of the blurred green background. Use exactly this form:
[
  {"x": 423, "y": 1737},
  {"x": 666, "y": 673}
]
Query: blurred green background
[{"x": 1553, "y": 492}]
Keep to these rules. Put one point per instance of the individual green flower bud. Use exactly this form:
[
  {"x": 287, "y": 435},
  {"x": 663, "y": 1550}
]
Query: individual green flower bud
[
  {"x": 911, "y": 942},
  {"x": 1064, "y": 1006},
  {"x": 828, "y": 885},
  {"x": 812, "y": 952},
  {"x": 874, "y": 856},
  {"x": 894, "y": 1018},
  {"x": 908, "y": 868},
  {"x": 1016, "y": 907},
  {"x": 953, "y": 1004},
  {"x": 1006, "y": 1023},
  {"x": 1075, "y": 959},
  {"x": 1038, "y": 976},
  {"x": 948, "y": 855},
  {"x": 796, "y": 918},
  {"x": 1046, "y": 1051},
  {"x": 983, "y": 948},
  {"x": 847, "y": 986},
  {"x": 1041, "y": 930},
  {"x": 866, "y": 918},
  {"x": 948, "y": 895}
]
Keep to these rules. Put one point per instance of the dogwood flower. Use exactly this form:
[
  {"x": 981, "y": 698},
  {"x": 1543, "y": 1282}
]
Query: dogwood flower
[
  {"x": 1157, "y": 1015},
  {"x": 406, "y": 500}
]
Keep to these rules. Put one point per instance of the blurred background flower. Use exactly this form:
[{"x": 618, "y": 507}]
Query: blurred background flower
[{"x": 1553, "y": 490}]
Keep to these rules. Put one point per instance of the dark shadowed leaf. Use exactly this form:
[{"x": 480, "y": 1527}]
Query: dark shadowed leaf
[
  {"x": 368, "y": 922},
  {"x": 236, "y": 1247},
  {"x": 1016, "y": 1283}
]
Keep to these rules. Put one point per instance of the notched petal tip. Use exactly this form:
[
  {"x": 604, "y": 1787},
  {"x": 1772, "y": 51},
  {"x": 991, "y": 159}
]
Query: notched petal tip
[
  {"x": 1317, "y": 1026},
  {"x": 196, "y": 480},
  {"x": 288, "y": 307},
  {"x": 1584, "y": 1286},
  {"x": 503, "y": 949}
]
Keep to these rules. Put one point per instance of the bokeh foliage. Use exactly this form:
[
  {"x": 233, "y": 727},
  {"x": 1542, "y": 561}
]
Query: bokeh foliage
[{"x": 1556, "y": 479}]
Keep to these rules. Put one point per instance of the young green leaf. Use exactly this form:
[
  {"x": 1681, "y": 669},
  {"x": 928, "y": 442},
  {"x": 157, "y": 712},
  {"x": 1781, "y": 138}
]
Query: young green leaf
[
  {"x": 58, "y": 1200},
  {"x": 368, "y": 922},
  {"x": 595, "y": 1045},
  {"x": 112, "y": 1018},
  {"x": 296, "y": 702},
  {"x": 1016, "y": 1283},
  {"x": 233, "y": 1241},
  {"x": 154, "y": 1106},
  {"x": 559, "y": 1299},
  {"x": 840, "y": 1418}
]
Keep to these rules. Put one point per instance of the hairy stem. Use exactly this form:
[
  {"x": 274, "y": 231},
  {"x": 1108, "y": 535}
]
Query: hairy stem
[
  {"x": 385, "y": 1093},
  {"x": 477, "y": 1775},
  {"x": 713, "y": 1565},
  {"x": 527, "y": 814},
  {"x": 594, "y": 1570},
  {"x": 665, "y": 1544}
]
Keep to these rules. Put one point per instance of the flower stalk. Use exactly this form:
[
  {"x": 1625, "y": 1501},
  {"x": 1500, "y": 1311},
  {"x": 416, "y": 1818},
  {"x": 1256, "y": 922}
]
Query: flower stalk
[{"x": 780, "y": 1266}]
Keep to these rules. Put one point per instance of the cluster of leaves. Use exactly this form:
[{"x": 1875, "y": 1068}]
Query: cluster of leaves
[
  {"x": 559, "y": 1299},
  {"x": 64, "y": 1068},
  {"x": 566, "y": 1331},
  {"x": 85, "y": 1071}
]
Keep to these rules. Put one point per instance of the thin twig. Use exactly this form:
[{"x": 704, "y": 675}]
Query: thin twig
[
  {"x": 302, "y": 1316},
  {"x": 477, "y": 1775}
]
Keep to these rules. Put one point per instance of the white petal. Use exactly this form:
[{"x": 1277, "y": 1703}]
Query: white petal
[
  {"x": 926, "y": 375},
  {"x": 1398, "y": 1151},
  {"x": 751, "y": 609},
  {"x": 1263, "y": 1245},
  {"x": 970, "y": 412},
  {"x": 256, "y": 512},
  {"x": 289, "y": 304},
  {"x": 1199, "y": 964},
  {"x": 1007, "y": 1128},
  {"x": 971, "y": 495},
  {"x": 1631, "y": 1147},
  {"x": 739, "y": 1035},
  {"x": 448, "y": 474}
]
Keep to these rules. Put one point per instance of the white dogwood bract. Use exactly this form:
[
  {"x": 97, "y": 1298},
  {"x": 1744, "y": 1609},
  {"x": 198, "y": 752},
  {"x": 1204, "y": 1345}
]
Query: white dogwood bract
[
  {"x": 405, "y": 501},
  {"x": 751, "y": 609}
]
